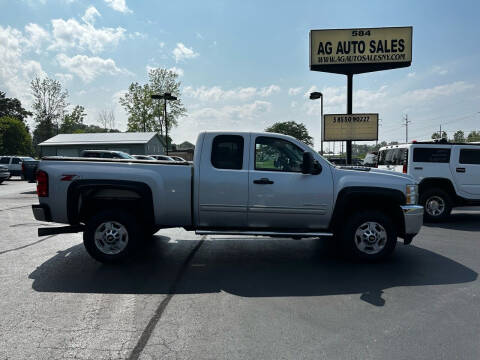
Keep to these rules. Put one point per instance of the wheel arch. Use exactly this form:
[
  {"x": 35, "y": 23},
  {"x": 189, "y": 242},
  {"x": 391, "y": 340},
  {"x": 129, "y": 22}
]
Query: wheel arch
[
  {"x": 443, "y": 183},
  {"x": 83, "y": 195}
]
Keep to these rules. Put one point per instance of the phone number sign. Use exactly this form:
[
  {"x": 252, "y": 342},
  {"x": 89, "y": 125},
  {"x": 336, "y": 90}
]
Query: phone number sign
[
  {"x": 359, "y": 127},
  {"x": 354, "y": 51}
]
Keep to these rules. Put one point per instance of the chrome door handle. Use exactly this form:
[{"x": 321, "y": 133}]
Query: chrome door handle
[{"x": 264, "y": 181}]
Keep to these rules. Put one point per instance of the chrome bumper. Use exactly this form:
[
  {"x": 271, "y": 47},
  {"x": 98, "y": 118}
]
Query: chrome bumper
[{"x": 413, "y": 216}]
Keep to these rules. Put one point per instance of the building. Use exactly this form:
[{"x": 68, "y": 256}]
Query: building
[
  {"x": 185, "y": 146},
  {"x": 140, "y": 143}
]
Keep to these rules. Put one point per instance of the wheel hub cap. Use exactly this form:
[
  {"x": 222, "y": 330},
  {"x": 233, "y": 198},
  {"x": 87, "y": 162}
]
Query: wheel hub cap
[
  {"x": 370, "y": 237},
  {"x": 111, "y": 237},
  {"x": 435, "y": 206}
]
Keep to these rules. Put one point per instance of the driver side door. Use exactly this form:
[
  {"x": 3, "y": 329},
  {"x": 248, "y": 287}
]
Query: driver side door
[{"x": 280, "y": 196}]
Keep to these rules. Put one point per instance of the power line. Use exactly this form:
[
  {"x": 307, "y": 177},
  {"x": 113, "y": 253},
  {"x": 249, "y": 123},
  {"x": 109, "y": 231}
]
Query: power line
[{"x": 406, "y": 127}]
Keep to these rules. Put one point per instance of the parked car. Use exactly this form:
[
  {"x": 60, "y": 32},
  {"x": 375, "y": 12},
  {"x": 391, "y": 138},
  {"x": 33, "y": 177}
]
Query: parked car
[
  {"x": 14, "y": 164},
  {"x": 143, "y": 157},
  {"x": 448, "y": 173},
  {"x": 105, "y": 154},
  {"x": 29, "y": 169},
  {"x": 4, "y": 173},
  {"x": 240, "y": 183},
  {"x": 162, "y": 157},
  {"x": 370, "y": 159}
]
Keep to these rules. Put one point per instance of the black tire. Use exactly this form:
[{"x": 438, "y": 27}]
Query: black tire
[
  {"x": 349, "y": 239},
  {"x": 432, "y": 198},
  {"x": 123, "y": 221},
  {"x": 1, "y": 181}
]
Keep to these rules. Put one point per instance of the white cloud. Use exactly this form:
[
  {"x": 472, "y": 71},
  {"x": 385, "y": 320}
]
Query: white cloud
[
  {"x": 16, "y": 72},
  {"x": 428, "y": 94},
  {"x": 64, "y": 78},
  {"x": 118, "y": 5},
  {"x": 294, "y": 91},
  {"x": 137, "y": 35},
  {"x": 36, "y": 36},
  {"x": 439, "y": 70},
  {"x": 178, "y": 71},
  {"x": 411, "y": 74},
  {"x": 216, "y": 93},
  {"x": 90, "y": 14},
  {"x": 267, "y": 91},
  {"x": 181, "y": 52},
  {"x": 72, "y": 34},
  {"x": 88, "y": 68}
]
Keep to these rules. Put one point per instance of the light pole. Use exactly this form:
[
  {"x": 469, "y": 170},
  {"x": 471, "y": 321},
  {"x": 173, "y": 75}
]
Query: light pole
[
  {"x": 314, "y": 96},
  {"x": 166, "y": 96}
]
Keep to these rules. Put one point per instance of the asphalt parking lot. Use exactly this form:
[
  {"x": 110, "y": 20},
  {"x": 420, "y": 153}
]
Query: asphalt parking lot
[{"x": 192, "y": 297}]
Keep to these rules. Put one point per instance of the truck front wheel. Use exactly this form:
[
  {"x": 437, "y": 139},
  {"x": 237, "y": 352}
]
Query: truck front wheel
[
  {"x": 112, "y": 236},
  {"x": 368, "y": 235}
]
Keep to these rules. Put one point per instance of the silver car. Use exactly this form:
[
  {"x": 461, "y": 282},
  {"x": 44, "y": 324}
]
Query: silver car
[{"x": 4, "y": 173}]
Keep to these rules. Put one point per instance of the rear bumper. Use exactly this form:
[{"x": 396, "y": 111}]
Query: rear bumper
[
  {"x": 41, "y": 212},
  {"x": 413, "y": 218}
]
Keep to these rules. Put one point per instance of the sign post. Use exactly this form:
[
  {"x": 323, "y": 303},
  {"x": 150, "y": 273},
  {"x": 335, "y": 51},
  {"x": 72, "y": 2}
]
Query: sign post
[{"x": 357, "y": 51}]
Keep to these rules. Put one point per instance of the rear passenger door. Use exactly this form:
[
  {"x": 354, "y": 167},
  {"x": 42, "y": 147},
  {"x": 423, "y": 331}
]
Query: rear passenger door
[
  {"x": 223, "y": 184},
  {"x": 466, "y": 170}
]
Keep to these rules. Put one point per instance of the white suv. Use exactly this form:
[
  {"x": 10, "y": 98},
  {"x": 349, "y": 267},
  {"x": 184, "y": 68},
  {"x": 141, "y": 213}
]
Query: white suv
[{"x": 448, "y": 173}]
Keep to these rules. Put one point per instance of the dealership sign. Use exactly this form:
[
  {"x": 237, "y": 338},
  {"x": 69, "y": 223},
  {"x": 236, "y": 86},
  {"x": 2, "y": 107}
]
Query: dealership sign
[
  {"x": 360, "y": 127},
  {"x": 355, "y": 51}
]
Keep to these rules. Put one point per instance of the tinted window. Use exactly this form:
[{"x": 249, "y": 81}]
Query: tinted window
[
  {"x": 470, "y": 156},
  {"x": 15, "y": 161},
  {"x": 5, "y": 160},
  {"x": 277, "y": 155},
  {"x": 227, "y": 152},
  {"x": 91, "y": 154},
  {"x": 397, "y": 156},
  {"x": 436, "y": 155}
]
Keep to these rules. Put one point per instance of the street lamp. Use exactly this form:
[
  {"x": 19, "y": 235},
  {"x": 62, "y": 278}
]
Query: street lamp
[
  {"x": 166, "y": 96},
  {"x": 314, "y": 96}
]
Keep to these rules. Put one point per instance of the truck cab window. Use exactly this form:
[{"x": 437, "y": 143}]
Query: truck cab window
[
  {"x": 276, "y": 154},
  {"x": 227, "y": 152}
]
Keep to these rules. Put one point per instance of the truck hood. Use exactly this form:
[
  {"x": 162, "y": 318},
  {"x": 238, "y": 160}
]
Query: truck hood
[{"x": 349, "y": 176}]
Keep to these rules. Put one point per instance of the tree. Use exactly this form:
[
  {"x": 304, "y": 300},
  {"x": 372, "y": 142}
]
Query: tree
[
  {"x": 13, "y": 108},
  {"x": 298, "y": 131},
  {"x": 144, "y": 114},
  {"x": 49, "y": 105},
  {"x": 473, "y": 136},
  {"x": 436, "y": 135},
  {"x": 459, "y": 136},
  {"x": 73, "y": 122},
  {"x": 14, "y": 137},
  {"x": 106, "y": 118}
]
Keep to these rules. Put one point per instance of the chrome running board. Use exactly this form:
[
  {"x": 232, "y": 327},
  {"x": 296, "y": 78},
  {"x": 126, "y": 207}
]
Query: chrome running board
[{"x": 262, "y": 233}]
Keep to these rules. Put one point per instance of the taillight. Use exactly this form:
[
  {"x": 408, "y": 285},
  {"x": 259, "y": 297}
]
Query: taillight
[
  {"x": 23, "y": 168},
  {"x": 42, "y": 183},
  {"x": 404, "y": 168}
]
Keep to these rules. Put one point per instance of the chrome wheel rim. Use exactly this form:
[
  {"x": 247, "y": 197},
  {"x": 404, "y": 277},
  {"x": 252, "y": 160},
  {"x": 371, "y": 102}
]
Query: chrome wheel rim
[
  {"x": 435, "y": 205},
  {"x": 370, "y": 237},
  {"x": 111, "y": 237}
]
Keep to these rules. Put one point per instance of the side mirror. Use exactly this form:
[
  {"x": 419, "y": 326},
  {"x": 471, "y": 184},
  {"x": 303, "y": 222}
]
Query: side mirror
[{"x": 307, "y": 165}]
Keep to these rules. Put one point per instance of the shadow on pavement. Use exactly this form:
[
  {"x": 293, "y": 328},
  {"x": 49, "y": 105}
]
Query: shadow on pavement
[
  {"x": 249, "y": 268},
  {"x": 459, "y": 221}
]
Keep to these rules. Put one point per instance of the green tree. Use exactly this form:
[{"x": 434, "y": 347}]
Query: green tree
[
  {"x": 436, "y": 135},
  {"x": 145, "y": 114},
  {"x": 473, "y": 136},
  {"x": 459, "y": 136},
  {"x": 12, "y": 107},
  {"x": 297, "y": 130},
  {"x": 73, "y": 122},
  {"x": 49, "y": 104},
  {"x": 14, "y": 137}
]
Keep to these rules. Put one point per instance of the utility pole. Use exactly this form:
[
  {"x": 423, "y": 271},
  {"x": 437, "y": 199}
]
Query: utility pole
[{"x": 406, "y": 127}]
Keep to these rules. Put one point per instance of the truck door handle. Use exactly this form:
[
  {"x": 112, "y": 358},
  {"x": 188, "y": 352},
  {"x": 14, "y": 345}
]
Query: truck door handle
[
  {"x": 418, "y": 168},
  {"x": 263, "y": 181},
  {"x": 460, "y": 170}
]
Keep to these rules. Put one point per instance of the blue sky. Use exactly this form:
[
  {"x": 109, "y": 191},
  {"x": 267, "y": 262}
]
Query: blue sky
[{"x": 244, "y": 64}]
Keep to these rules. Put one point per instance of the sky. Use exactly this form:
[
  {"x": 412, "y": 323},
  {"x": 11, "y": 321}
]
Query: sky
[{"x": 244, "y": 65}]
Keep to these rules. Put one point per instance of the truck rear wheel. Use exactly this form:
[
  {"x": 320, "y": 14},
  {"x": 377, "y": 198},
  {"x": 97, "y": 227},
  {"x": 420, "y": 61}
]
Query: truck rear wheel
[
  {"x": 112, "y": 236},
  {"x": 368, "y": 235},
  {"x": 437, "y": 204}
]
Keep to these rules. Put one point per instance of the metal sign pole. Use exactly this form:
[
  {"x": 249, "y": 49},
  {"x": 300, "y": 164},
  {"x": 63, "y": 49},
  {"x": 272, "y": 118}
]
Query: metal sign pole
[{"x": 349, "y": 112}]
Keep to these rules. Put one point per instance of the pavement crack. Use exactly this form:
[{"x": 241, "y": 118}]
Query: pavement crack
[
  {"x": 147, "y": 332},
  {"x": 25, "y": 246}
]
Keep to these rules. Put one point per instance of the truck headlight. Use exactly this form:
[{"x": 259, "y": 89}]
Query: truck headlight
[{"x": 412, "y": 194}]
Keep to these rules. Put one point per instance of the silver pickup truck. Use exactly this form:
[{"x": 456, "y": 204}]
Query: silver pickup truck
[{"x": 240, "y": 183}]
